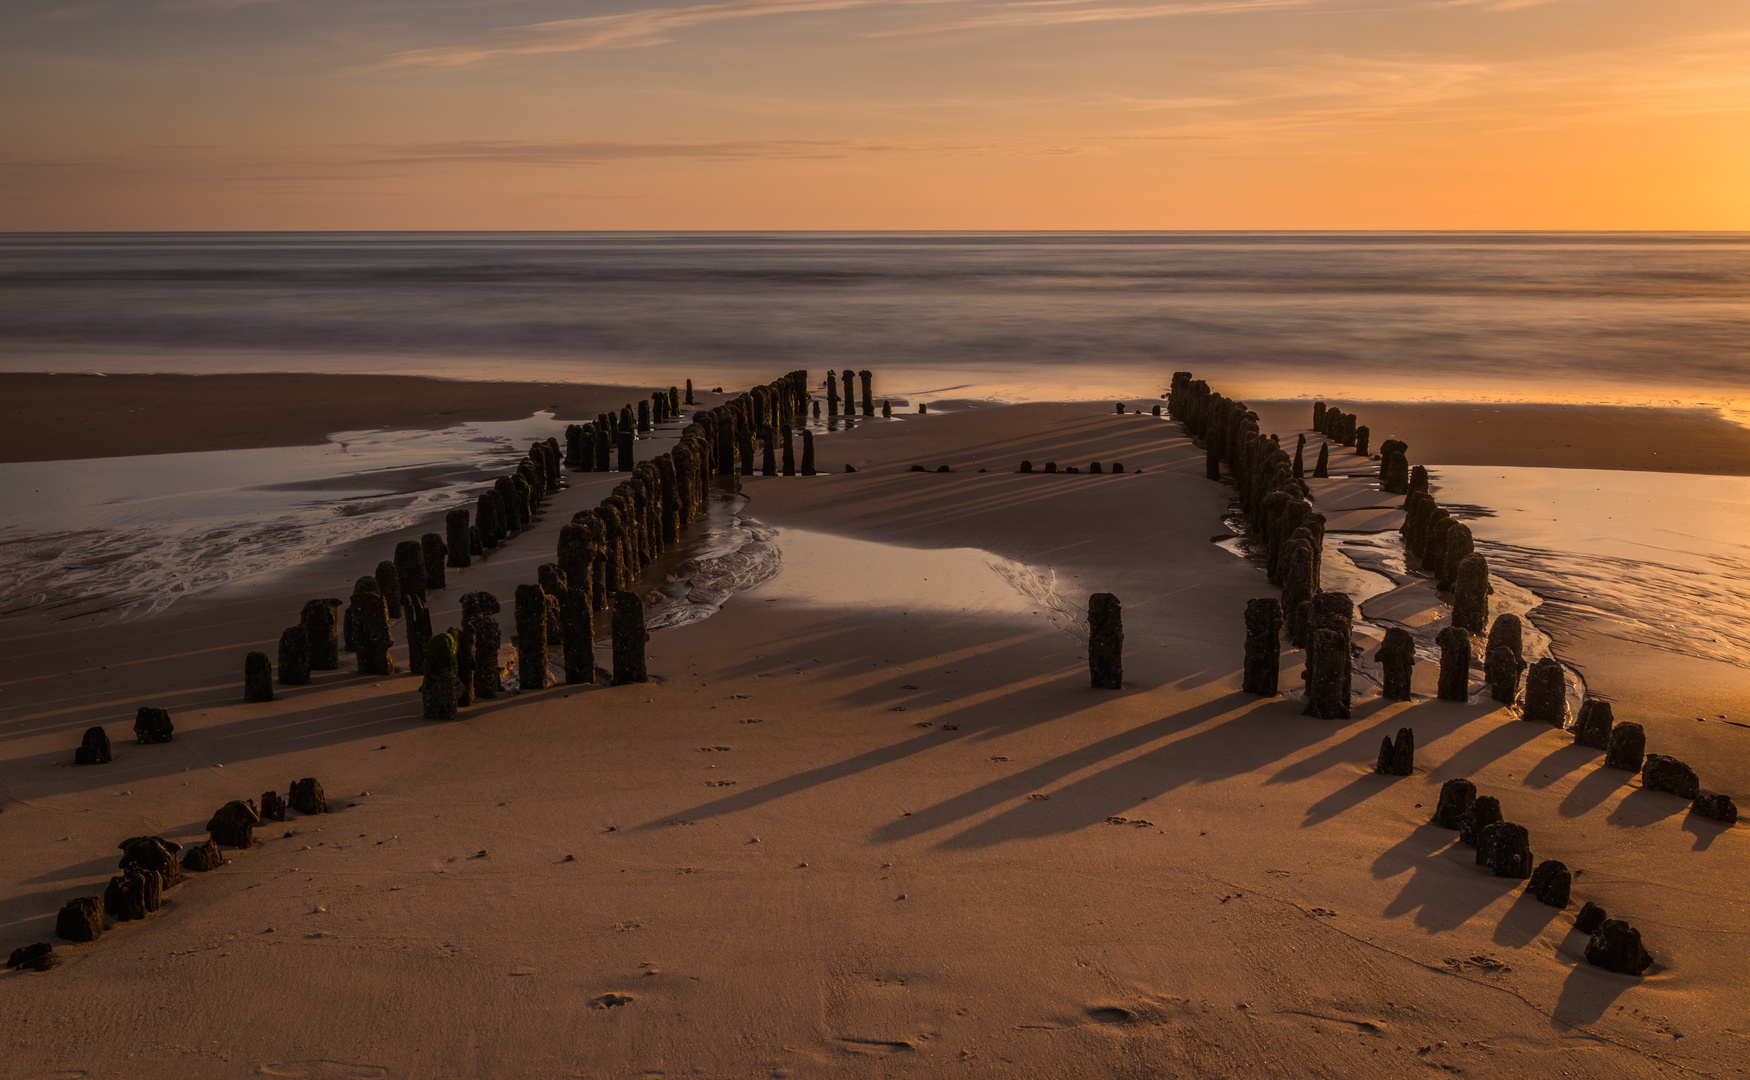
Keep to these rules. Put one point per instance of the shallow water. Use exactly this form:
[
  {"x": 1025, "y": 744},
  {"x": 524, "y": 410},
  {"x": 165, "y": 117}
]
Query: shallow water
[
  {"x": 1659, "y": 558},
  {"x": 130, "y": 536}
]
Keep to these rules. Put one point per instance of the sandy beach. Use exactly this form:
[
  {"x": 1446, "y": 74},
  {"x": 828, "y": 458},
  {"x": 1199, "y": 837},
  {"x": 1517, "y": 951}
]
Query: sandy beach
[{"x": 873, "y": 825}]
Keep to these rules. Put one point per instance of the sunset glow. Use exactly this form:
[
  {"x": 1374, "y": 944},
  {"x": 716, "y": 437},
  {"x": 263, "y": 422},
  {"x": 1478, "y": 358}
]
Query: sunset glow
[{"x": 859, "y": 114}]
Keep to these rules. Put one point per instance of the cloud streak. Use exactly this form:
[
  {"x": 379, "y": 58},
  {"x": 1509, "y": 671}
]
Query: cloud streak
[
  {"x": 656, "y": 26},
  {"x": 513, "y": 152}
]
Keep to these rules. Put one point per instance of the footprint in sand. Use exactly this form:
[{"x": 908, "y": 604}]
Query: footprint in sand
[{"x": 322, "y": 1070}]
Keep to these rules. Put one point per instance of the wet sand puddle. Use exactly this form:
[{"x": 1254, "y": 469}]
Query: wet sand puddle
[
  {"x": 733, "y": 552},
  {"x": 1662, "y": 559},
  {"x": 127, "y": 537}
]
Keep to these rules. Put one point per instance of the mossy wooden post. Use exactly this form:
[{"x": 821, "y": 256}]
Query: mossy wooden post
[
  {"x": 1454, "y": 642},
  {"x": 294, "y": 666},
  {"x": 257, "y": 677},
  {"x": 486, "y": 519},
  {"x": 1362, "y": 436},
  {"x": 643, "y": 416},
  {"x": 690, "y": 392},
  {"x": 410, "y": 565},
  {"x": 628, "y": 422},
  {"x": 630, "y": 636},
  {"x": 321, "y": 622},
  {"x": 1105, "y": 642},
  {"x": 418, "y": 634},
  {"x": 531, "y": 630},
  {"x": 389, "y": 586},
  {"x": 457, "y": 541},
  {"x": 1322, "y": 468},
  {"x": 1397, "y": 659},
  {"x": 807, "y": 452},
  {"x": 887, "y": 410},
  {"x": 868, "y": 379},
  {"x": 479, "y": 620},
  {"x": 440, "y": 693},
  {"x": 1263, "y": 646},
  {"x": 576, "y": 617}
]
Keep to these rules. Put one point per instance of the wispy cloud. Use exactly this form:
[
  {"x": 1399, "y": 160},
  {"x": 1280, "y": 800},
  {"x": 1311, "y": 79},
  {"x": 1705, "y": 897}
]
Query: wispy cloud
[
  {"x": 656, "y": 26},
  {"x": 512, "y": 152},
  {"x": 213, "y": 5},
  {"x": 1053, "y": 14},
  {"x": 624, "y": 30},
  {"x": 70, "y": 12}
]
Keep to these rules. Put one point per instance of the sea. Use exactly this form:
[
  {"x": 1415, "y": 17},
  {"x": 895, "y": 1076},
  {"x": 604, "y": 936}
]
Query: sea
[{"x": 1605, "y": 318}]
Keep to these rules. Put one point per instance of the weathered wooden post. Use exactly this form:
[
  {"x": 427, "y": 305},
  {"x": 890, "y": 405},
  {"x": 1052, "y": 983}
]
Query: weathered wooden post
[
  {"x": 1546, "y": 693},
  {"x": 868, "y": 378},
  {"x": 295, "y": 656},
  {"x": 418, "y": 634},
  {"x": 531, "y": 629},
  {"x": 577, "y": 617},
  {"x": 630, "y": 636},
  {"x": 626, "y": 457},
  {"x": 1263, "y": 646},
  {"x": 1105, "y": 642},
  {"x": 1454, "y": 642},
  {"x": 389, "y": 587},
  {"x": 257, "y": 677},
  {"x": 321, "y": 622},
  {"x": 1397, "y": 659},
  {"x": 807, "y": 452},
  {"x": 458, "y": 542},
  {"x": 410, "y": 565},
  {"x": 1470, "y": 594},
  {"x": 440, "y": 693},
  {"x": 1322, "y": 469}
]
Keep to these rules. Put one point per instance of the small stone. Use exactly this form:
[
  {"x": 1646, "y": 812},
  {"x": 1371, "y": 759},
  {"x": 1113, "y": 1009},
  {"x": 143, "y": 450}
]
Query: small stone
[
  {"x": 1616, "y": 946},
  {"x": 1456, "y": 797},
  {"x": 1551, "y": 883},
  {"x": 1662, "y": 773},
  {"x": 1591, "y": 917}
]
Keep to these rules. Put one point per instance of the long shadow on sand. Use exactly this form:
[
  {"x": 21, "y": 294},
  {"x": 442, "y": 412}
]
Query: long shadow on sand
[
  {"x": 1445, "y": 889},
  {"x": 1588, "y": 992},
  {"x": 1524, "y": 921}
]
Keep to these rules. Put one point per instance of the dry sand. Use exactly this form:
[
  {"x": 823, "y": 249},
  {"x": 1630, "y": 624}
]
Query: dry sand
[
  {"x": 47, "y": 417},
  {"x": 914, "y": 861}
]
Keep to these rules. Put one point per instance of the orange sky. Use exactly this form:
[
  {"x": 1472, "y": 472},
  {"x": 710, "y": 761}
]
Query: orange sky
[{"x": 862, "y": 114}]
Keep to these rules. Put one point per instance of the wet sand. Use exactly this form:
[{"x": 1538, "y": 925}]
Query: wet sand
[
  {"x": 845, "y": 835},
  {"x": 55, "y": 417}
]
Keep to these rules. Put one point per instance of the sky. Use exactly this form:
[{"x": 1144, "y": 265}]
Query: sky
[{"x": 874, "y": 114}]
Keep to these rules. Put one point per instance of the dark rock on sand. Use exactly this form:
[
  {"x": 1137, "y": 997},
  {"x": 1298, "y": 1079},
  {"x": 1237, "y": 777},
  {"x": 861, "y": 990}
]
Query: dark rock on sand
[
  {"x": 1483, "y": 812},
  {"x": 307, "y": 797},
  {"x": 153, "y": 725},
  {"x": 1397, "y": 758},
  {"x": 80, "y": 919},
  {"x": 1662, "y": 773},
  {"x": 93, "y": 748},
  {"x": 203, "y": 857},
  {"x": 1616, "y": 946},
  {"x": 1456, "y": 798},
  {"x": 1628, "y": 747},
  {"x": 1712, "y": 804},
  {"x": 1595, "y": 724},
  {"x": 1505, "y": 848},
  {"x": 233, "y": 824},
  {"x": 38, "y": 957},
  {"x": 1551, "y": 883}
]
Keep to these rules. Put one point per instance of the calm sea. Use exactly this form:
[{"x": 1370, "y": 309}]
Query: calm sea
[{"x": 1656, "y": 318}]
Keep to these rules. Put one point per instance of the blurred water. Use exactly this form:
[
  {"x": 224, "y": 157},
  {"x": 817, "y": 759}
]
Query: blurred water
[{"x": 1644, "y": 318}]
